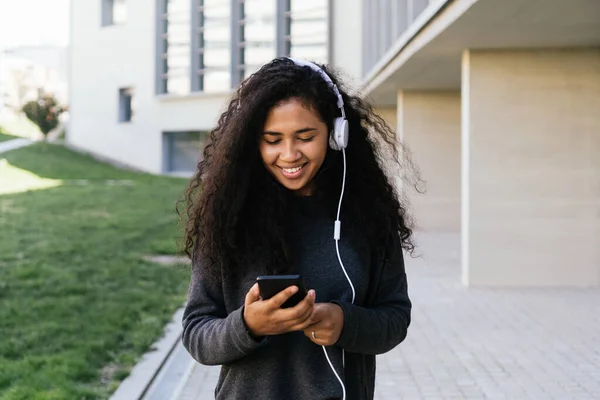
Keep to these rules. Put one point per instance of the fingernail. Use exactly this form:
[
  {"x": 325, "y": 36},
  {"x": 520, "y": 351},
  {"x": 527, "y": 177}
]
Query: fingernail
[{"x": 294, "y": 289}]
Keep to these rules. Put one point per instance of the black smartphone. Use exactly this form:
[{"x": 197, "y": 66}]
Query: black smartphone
[{"x": 270, "y": 285}]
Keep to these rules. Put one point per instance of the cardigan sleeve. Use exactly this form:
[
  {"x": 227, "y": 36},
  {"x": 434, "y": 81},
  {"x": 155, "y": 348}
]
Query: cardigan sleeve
[
  {"x": 210, "y": 335},
  {"x": 384, "y": 324}
]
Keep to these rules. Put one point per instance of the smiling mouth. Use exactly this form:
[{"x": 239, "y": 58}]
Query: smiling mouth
[{"x": 293, "y": 172}]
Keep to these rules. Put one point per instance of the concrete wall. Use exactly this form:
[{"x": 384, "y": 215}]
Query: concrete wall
[
  {"x": 531, "y": 167},
  {"x": 429, "y": 124}
]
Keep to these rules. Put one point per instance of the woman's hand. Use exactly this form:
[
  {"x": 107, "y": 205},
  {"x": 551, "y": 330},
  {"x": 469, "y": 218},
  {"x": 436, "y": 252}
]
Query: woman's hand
[
  {"x": 326, "y": 325},
  {"x": 266, "y": 317}
]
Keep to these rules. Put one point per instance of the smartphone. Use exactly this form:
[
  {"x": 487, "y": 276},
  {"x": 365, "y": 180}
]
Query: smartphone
[{"x": 270, "y": 285}]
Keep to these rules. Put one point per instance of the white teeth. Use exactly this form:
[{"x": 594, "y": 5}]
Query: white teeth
[{"x": 292, "y": 170}]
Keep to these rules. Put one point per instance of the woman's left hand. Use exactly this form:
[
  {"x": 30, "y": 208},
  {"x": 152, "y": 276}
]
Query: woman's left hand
[{"x": 327, "y": 324}]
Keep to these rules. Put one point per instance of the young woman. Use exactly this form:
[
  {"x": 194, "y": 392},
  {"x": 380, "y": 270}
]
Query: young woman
[{"x": 265, "y": 201}]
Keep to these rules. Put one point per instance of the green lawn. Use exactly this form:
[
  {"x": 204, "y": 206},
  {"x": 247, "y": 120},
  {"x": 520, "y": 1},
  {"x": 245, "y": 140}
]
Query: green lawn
[
  {"x": 78, "y": 305},
  {"x": 4, "y": 136}
]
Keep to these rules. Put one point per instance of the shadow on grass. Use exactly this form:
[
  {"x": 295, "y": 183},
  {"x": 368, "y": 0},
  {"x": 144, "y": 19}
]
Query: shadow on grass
[{"x": 58, "y": 162}]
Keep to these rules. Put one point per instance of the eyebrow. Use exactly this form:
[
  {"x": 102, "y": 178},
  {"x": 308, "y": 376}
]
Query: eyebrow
[{"x": 299, "y": 131}]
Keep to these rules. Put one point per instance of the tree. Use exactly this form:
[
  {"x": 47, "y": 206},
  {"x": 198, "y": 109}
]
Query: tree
[{"x": 44, "y": 113}]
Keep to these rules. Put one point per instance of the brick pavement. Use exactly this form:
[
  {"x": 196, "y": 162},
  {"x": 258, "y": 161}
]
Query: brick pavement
[{"x": 474, "y": 343}]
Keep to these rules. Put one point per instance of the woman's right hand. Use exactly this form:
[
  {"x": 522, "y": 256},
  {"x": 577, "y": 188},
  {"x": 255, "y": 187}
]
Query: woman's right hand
[{"x": 266, "y": 317}]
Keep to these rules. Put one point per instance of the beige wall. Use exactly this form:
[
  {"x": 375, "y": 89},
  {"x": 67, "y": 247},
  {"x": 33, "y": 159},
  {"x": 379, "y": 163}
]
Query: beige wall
[
  {"x": 531, "y": 168},
  {"x": 389, "y": 115},
  {"x": 429, "y": 124}
]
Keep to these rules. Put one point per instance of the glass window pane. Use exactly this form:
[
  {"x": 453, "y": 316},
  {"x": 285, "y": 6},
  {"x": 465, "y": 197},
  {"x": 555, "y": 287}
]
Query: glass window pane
[
  {"x": 178, "y": 84},
  {"x": 309, "y": 6},
  {"x": 215, "y": 81},
  {"x": 217, "y": 58},
  {"x": 184, "y": 150},
  {"x": 216, "y": 36},
  {"x": 177, "y": 46},
  {"x": 308, "y": 30},
  {"x": 119, "y": 11},
  {"x": 258, "y": 34}
]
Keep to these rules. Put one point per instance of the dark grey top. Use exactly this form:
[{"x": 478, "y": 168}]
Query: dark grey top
[{"x": 290, "y": 365}]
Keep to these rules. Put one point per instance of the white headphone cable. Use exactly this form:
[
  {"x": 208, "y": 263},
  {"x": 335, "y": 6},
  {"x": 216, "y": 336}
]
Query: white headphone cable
[
  {"x": 337, "y": 229},
  {"x": 336, "y": 236}
]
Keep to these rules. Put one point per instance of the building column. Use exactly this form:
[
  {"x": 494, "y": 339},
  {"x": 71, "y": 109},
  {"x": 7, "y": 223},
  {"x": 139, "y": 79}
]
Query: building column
[
  {"x": 531, "y": 168},
  {"x": 429, "y": 124}
]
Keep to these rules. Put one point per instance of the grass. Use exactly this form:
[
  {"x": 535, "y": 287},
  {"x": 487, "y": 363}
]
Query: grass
[
  {"x": 78, "y": 304},
  {"x": 5, "y": 136}
]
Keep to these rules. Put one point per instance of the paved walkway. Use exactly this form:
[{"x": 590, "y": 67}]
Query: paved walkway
[
  {"x": 467, "y": 343},
  {"x": 14, "y": 144}
]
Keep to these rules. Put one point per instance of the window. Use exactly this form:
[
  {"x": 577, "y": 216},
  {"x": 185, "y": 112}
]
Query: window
[
  {"x": 198, "y": 49},
  {"x": 257, "y": 35},
  {"x": 125, "y": 104},
  {"x": 211, "y": 45},
  {"x": 183, "y": 150},
  {"x": 114, "y": 12},
  {"x": 194, "y": 46},
  {"x": 305, "y": 28},
  {"x": 174, "y": 60}
]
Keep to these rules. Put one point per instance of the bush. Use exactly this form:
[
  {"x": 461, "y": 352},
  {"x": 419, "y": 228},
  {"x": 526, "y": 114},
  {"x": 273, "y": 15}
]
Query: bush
[{"x": 44, "y": 113}]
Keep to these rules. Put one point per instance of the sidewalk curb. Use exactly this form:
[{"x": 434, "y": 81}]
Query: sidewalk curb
[
  {"x": 134, "y": 387},
  {"x": 14, "y": 144},
  {"x": 179, "y": 389}
]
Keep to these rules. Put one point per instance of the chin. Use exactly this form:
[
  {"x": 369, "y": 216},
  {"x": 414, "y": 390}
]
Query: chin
[{"x": 295, "y": 188}]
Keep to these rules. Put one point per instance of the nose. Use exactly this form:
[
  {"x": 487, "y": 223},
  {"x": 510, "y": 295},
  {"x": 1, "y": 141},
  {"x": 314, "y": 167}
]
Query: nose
[{"x": 290, "y": 152}]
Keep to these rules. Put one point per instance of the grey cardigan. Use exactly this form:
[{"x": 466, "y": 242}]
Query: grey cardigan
[{"x": 290, "y": 365}]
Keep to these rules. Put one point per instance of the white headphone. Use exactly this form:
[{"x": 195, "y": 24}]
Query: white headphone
[
  {"x": 339, "y": 138},
  {"x": 337, "y": 141}
]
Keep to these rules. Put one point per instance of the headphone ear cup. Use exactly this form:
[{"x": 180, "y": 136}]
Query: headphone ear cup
[
  {"x": 332, "y": 143},
  {"x": 339, "y": 139}
]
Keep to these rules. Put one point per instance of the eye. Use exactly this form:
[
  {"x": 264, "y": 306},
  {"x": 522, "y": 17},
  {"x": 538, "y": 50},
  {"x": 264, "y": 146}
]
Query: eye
[
  {"x": 308, "y": 139},
  {"x": 272, "y": 141}
]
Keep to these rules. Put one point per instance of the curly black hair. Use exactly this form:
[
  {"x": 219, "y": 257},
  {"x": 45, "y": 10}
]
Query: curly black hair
[{"x": 235, "y": 214}]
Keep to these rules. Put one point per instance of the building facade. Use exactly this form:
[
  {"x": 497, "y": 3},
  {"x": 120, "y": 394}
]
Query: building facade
[
  {"x": 149, "y": 79},
  {"x": 498, "y": 101}
]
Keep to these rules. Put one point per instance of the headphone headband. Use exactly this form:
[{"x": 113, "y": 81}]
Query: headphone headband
[{"x": 326, "y": 78}]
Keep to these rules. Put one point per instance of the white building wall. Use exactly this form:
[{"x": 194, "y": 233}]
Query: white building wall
[{"x": 105, "y": 59}]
